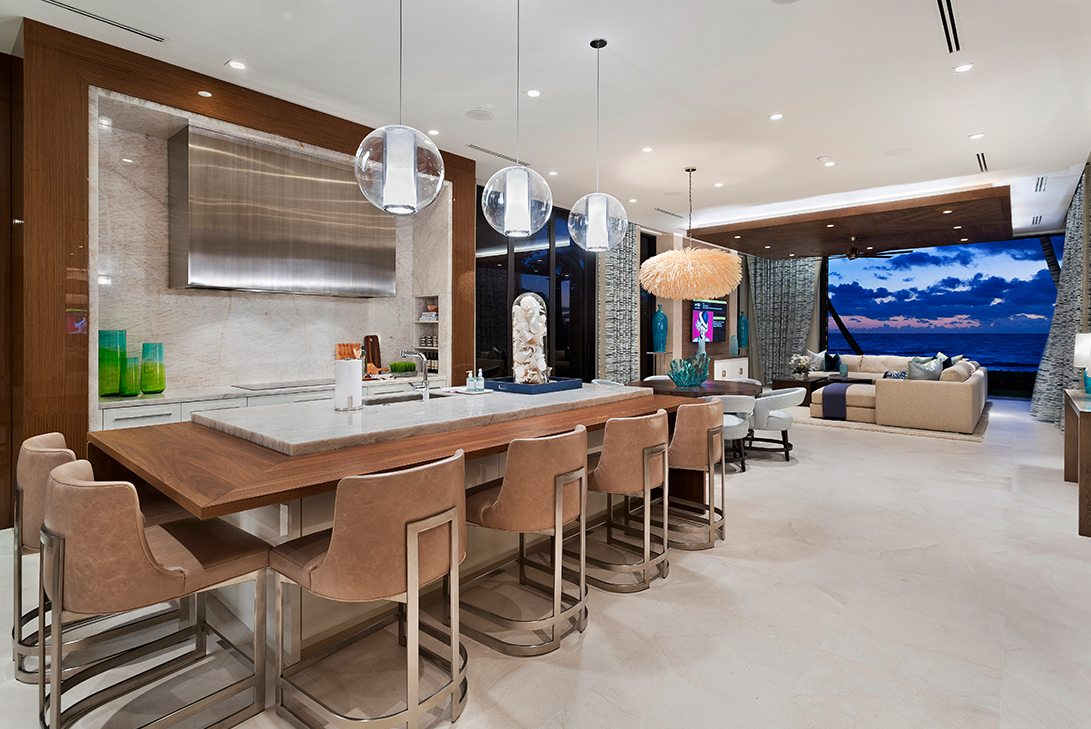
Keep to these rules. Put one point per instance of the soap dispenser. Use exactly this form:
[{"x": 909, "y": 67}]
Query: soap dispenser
[
  {"x": 480, "y": 381},
  {"x": 471, "y": 383}
]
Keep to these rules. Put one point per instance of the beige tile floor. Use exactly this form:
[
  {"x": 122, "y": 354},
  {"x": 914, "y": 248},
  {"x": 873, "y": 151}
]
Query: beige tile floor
[{"x": 875, "y": 581}]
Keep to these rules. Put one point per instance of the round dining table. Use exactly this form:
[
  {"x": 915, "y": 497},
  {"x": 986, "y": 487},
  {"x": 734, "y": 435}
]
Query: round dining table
[{"x": 705, "y": 389}]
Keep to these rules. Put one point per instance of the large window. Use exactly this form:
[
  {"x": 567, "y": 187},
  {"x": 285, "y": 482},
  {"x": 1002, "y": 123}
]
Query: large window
[{"x": 992, "y": 302}]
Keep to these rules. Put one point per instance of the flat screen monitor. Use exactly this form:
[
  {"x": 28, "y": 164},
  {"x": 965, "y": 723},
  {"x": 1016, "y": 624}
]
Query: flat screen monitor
[{"x": 709, "y": 320}]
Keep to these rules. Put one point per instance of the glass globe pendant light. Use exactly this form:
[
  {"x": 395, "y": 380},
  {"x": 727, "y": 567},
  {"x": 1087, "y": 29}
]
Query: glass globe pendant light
[
  {"x": 517, "y": 200},
  {"x": 598, "y": 221},
  {"x": 399, "y": 169}
]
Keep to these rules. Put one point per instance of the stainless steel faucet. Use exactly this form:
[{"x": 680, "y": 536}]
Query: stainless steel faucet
[{"x": 423, "y": 386}]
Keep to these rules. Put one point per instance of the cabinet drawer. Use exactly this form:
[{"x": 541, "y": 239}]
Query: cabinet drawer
[
  {"x": 386, "y": 388},
  {"x": 259, "y": 400},
  {"x": 138, "y": 415},
  {"x": 189, "y": 408}
]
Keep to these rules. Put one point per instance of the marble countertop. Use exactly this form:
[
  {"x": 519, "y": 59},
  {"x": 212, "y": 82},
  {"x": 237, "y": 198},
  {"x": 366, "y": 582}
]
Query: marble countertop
[
  {"x": 180, "y": 395},
  {"x": 310, "y": 427}
]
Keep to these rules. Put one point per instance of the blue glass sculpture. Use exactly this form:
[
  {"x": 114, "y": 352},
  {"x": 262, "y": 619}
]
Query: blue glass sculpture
[{"x": 689, "y": 372}]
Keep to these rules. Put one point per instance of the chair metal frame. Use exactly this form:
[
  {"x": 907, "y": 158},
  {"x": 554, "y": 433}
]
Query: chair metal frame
[
  {"x": 51, "y": 711},
  {"x": 689, "y": 518},
  {"x": 410, "y": 626},
  {"x": 24, "y": 645},
  {"x": 566, "y": 608},
  {"x": 650, "y": 557}
]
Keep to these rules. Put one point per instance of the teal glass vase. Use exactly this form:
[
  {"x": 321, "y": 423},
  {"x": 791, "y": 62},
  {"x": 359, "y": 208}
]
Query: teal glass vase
[
  {"x": 733, "y": 346},
  {"x": 130, "y": 377},
  {"x": 111, "y": 360},
  {"x": 689, "y": 372},
  {"x": 153, "y": 375},
  {"x": 659, "y": 330},
  {"x": 744, "y": 330}
]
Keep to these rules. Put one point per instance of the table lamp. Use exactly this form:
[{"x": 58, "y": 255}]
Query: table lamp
[{"x": 1081, "y": 357}]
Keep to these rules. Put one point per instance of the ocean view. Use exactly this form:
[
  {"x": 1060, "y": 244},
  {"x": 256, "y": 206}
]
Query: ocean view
[{"x": 1015, "y": 352}]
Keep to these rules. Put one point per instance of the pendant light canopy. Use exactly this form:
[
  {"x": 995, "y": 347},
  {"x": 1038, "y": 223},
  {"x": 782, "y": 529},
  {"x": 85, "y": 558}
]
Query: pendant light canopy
[
  {"x": 399, "y": 169},
  {"x": 597, "y": 221},
  {"x": 517, "y": 200}
]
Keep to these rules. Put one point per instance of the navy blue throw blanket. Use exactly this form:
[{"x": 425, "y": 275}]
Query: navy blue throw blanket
[{"x": 834, "y": 400}]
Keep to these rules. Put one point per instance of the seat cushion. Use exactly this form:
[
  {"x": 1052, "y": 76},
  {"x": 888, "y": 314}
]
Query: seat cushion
[
  {"x": 207, "y": 552},
  {"x": 856, "y": 396},
  {"x": 778, "y": 420},
  {"x": 735, "y": 427},
  {"x": 298, "y": 558},
  {"x": 480, "y": 499}
]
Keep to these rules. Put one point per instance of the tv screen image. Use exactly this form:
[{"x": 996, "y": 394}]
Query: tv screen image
[{"x": 709, "y": 320}]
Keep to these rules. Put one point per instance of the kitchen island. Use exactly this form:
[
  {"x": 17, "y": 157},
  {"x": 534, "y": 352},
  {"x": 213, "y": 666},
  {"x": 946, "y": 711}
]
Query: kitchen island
[{"x": 278, "y": 496}]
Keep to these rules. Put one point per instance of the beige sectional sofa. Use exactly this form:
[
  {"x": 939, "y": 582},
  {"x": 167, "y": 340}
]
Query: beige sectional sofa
[{"x": 953, "y": 403}]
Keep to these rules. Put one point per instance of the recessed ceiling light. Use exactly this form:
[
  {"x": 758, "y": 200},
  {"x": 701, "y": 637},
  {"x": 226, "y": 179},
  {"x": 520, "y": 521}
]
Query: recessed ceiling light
[
  {"x": 738, "y": 237},
  {"x": 646, "y": 149},
  {"x": 829, "y": 225},
  {"x": 126, "y": 160},
  {"x": 105, "y": 121},
  {"x": 871, "y": 248},
  {"x": 206, "y": 94},
  {"x": 768, "y": 247},
  {"x": 433, "y": 132},
  {"x": 964, "y": 67},
  {"x": 958, "y": 227},
  {"x": 977, "y": 135},
  {"x": 791, "y": 255},
  {"x": 718, "y": 184},
  {"x": 964, "y": 239},
  {"x": 632, "y": 199},
  {"x": 776, "y": 117},
  {"x": 826, "y": 161},
  {"x": 553, "y": 173},
  {"x": 948, "y": 212},
  {"x": 237, "y": 64},
  {"x": 533, "y": 93}
]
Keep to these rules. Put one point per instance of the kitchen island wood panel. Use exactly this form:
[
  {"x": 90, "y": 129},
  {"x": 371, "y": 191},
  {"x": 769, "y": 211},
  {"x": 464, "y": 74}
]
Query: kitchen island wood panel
[{"x": 212, "y": 474}]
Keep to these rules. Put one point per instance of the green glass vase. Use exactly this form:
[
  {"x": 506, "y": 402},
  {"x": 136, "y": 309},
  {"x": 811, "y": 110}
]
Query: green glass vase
[
  {"x": 130, "y": 377},
  {"x": 153, "y": 375},
  {"x": 111, "y": 360}
]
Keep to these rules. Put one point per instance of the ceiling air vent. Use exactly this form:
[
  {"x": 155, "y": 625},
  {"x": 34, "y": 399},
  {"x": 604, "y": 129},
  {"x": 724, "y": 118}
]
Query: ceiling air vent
[
  {"x": 108, "y": 21},
  {"x": 982, "y": 163},
  {"x": 1036, "y": 220},
  {"x": 668, "y": 212},
  {"x": 494, "y": 153},
  {"x": 950, "y": 26},
  {"x": 1040, "y": 184}
]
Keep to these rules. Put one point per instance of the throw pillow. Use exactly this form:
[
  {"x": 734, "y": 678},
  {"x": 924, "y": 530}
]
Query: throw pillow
[
  {"x": 947, "y": 361},
  {"x": 818, "y": 360},
  {"x": 832, "y": 363},
  {"x": 957, "y": 372},
  {"x": 922, "y": 360},
  {"x": 895, "y": 375},
  {"x": 930, "y": 370}
]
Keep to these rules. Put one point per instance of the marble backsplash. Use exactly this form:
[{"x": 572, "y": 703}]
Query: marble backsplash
[{"x": 215, "y": 338}]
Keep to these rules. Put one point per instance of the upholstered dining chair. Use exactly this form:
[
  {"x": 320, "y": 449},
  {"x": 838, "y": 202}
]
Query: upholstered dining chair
[
  {"x": 697, "y": 444},
  {"x": 99, "y": 558},
  {"x": 747, "y": 380},
  {"x": 38, "y": 456},
  {"x": 393, "y": 533},
  {"x": 737, "y": 412},
  {"x": 771, "y": 413},
  {"x": 656, "y": 378}
]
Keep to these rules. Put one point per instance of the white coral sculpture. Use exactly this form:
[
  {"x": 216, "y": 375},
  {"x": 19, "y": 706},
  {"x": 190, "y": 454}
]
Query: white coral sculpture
[{"x": 528, "y": 330}]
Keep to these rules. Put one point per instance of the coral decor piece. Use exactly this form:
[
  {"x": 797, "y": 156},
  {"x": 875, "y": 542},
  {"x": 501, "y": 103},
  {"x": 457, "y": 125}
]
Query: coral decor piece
[
  {"x": 689, "y": 372},
  {"x": 528, "y": 332},
  {"x": 691, "y": 273}
]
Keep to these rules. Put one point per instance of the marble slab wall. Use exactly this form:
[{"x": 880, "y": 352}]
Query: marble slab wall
[{"x": 215, "y": 338}]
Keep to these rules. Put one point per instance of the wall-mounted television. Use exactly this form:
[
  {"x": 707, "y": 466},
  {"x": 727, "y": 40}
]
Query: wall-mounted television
[{"x": 709, "y": 320}]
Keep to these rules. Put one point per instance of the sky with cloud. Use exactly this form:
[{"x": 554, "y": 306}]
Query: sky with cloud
[{"x": 984, "y": 287}]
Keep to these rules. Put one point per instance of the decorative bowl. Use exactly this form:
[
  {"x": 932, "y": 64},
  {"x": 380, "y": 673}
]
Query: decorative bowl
[{"x": 689, "y": 372}]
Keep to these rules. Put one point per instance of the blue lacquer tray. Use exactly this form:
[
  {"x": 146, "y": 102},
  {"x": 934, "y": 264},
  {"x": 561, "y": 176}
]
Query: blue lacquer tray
[{"x": 557, "y": 384}]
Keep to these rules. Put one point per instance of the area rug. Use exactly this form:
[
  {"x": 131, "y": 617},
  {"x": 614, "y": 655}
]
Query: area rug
[{"x": 802, "y": 416}]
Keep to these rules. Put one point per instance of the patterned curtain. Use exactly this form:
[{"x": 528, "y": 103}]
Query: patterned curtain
[
  {"x": 619, "y": 310},
  {"x": 782, "y": 295},
  {"x": 1056, "y": 371}
]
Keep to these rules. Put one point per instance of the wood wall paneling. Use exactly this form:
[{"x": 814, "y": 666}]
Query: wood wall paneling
[
  {"x": 59, "y": 68},
  {"x": 10, "y": 154}
]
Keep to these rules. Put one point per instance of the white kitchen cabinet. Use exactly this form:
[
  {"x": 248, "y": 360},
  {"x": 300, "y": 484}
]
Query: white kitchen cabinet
[
  {"x": 137, "y": 415},
  {"x": 731, "y": 368},
  {"x": 259, "y": 400},
  {"x": 189, "y": 408}
]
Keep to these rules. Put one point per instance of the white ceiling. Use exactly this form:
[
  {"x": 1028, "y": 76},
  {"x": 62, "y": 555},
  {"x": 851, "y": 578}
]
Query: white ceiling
[{"x": 870, "y": 84}]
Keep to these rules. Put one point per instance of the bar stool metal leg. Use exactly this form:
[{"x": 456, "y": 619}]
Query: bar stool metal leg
[{"x": 703, "y": 524}]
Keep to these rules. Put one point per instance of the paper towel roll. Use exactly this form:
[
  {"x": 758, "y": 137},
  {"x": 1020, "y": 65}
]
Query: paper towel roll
[{"x": 348, "y": 387}]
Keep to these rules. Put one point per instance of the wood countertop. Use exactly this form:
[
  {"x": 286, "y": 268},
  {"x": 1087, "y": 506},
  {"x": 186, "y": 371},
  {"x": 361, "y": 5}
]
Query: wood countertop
[{"x": 210, "y": 473}]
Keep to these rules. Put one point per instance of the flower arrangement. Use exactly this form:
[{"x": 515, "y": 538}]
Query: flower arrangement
[{"x": 801, "y": 365}]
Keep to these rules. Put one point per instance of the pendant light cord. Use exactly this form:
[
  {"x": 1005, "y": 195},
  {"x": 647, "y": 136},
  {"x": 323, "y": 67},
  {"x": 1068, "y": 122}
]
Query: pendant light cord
[
  {"x": 690, "y": 171},
  {"x": 518, "y": 12},
  {"x": 598, "y": 115},
  {"x": 401, "y": 40}
]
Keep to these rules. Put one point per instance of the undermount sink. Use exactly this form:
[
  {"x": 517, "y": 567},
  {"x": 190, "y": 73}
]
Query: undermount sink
[{"x": 402, "y": 397}]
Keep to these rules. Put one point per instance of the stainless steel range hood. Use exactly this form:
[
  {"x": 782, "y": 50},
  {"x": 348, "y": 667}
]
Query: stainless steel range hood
[{"x": 247, "y": 215}]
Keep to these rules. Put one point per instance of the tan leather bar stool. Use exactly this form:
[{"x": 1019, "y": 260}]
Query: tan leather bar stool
[
  {"x": 697, "y": 445},
  {"x": 37, "y": 457},
  {"x": 392, "y": 534},
  {"x": 544, "y": 488},
  {"x": 99, "y": 558},
  {"x": 633, "y": 462}
]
